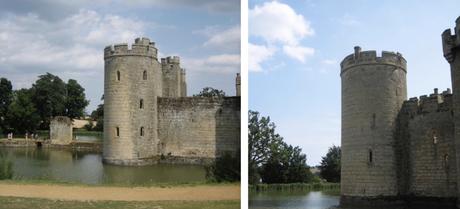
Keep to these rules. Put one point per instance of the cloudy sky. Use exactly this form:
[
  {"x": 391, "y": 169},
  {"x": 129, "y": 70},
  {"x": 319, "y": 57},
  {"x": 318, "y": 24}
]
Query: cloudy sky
[
  {"x": 296, "y": 47},
  {"x": 67, "y": 38}
]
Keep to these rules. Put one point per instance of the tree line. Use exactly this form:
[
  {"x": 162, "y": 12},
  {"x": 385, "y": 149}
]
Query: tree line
[
  {"x": 28, "y": 109},
  {"x": 271, "y": 160}
]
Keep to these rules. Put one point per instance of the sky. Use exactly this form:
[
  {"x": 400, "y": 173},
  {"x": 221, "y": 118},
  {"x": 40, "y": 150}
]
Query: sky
[
  {"x": 295, "y": 50},
  {"x": 67, "y": 39}
]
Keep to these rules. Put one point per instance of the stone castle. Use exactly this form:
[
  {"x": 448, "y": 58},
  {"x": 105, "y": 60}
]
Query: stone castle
[
  {"x": 393, "y": 148},
  {"x": 148, "y": 117}
]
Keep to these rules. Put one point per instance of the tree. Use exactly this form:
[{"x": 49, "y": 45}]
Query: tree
[
  {"x": 75, "y": 101},
  {"x": 226, "y": 168},
  {"x": 22, "y": 115},
  {"x": 6, "y": 95},
  {"x": 263, "y": 141},
  {"x": 330, "y": 165},
  {"x": 288, "y": 165},
  {"x": 210, "y": 92},
  {"x": 98, "y": 113},
  {"x": 49, "y": 96}
]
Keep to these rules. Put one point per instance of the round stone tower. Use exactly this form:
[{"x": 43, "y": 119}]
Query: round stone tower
[
  {"x": 373, "y": 91},
  {"x": 132, "y": 83}
]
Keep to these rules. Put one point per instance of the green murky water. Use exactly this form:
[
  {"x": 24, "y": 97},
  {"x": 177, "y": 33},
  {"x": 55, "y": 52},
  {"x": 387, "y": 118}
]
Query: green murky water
[
  {"x": 294, "y": 199},
  {"x": 87, "y": 167}
]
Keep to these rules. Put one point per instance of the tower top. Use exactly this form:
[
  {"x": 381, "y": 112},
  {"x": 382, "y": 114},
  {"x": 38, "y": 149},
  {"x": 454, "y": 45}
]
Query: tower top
[
  {"x": 451, "y": 41},
  {"x": 370, "y": 57},
  {"x": 140, "y": 47}
]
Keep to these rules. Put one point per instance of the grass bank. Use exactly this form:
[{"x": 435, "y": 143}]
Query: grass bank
[
  {"x": 294, "y": 187},
  {"x": 127, "y": 184},
  {"x": 26, "y": 203}
]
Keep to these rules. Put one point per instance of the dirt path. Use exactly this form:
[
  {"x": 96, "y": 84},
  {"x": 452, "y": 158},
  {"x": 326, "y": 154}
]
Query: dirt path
[{"x": 224, "y": 192}]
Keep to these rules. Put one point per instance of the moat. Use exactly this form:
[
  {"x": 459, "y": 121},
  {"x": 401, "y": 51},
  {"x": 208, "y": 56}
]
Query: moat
[
  {"x": 314, "y": 200},
  {"x": 87, "y": 168}
]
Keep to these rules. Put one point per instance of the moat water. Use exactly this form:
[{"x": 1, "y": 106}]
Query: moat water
[
  {"x": 297, "y": 199},
  {"x": 312, "y": 200},
  {"x": 87, "y": 168}
]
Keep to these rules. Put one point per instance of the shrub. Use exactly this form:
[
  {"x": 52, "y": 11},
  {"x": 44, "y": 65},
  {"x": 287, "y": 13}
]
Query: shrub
[{"x": 225, "y": 169}]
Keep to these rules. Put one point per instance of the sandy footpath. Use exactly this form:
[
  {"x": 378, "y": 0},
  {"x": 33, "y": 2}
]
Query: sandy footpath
[{"x": 60, "y": 192}]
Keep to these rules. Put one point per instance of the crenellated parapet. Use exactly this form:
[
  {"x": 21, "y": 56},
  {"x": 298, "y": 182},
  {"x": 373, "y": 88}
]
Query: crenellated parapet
[
  {"x": 171, "y": 60},
  {"x": 370, "y": 58},
  {"x": 450, "y": 42},
  {"x": 141, "y": 47},
  {"x": 434, "y": 102}
]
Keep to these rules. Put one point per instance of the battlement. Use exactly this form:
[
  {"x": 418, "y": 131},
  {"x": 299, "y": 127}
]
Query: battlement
[
  {"x": 370, "y": 58},
  {"x": 141, "y": 47},
  {"x": 170, "y": 60},
  {"x": 434, "y": 102},
  {"x": 451, "y": 41}
]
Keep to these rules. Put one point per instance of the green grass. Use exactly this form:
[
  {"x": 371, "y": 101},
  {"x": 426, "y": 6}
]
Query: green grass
[
  {"x": 26, "y": 203},
  {"x": 294, "y": 187},
  {"x": 150, "y": 184}
]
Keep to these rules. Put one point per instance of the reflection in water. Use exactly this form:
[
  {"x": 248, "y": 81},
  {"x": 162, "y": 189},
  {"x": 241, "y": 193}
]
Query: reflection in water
[
  {"x": 314, "y": 200},
  {"x": 297, "y": 199},
  {"x": 86, "y": 167}
]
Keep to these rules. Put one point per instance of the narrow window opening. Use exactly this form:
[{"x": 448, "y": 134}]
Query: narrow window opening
[
  {"x": 370, "y": 156},
  {"x": 117, "y": 129},
  {"x": 118, "y": 75},
  {"x": 435, "y": 137},
  {"x": 142, "y": 131},
  {"x": 144, "y": 75},
  {"x": 141, "y": 104},
  {"x": 446, "y": 161}
]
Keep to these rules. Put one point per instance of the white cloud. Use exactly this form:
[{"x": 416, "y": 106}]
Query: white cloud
[
  {"x": 227, "y": 39},
  {"x": 257, "y": 55},
  {"x": 73, "y": 44},
  {"x": 299, "y": 53},
  {"x": 223, "y": 63},
  {"x": 278, "y": 22},
  {"x": 209, "y": 5},
  {"x": 277, "y": 25}
]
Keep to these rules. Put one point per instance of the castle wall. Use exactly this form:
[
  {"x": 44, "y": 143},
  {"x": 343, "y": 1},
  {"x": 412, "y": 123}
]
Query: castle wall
[
  {"x": 373, "y": 90},
  {"x": 131, "y": 75},
  {"x": 173, "y": 77},
  {"x": 451, "y": 51},
  {"x": 199, "y": 127},
  {"x": 61, "y": 130},
  {"x": 431, "y": 170}
]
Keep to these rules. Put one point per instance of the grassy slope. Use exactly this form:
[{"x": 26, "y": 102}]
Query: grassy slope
[
  {"x": 26, "y": 203},
  {"x": 150, "y": 184}
]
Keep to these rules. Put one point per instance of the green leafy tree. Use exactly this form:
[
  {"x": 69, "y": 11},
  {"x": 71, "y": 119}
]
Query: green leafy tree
[
  {"x": 6, "y": 96},
  {"x": 210, "y": 92},
  {"x": 330, "y": 165},
  {"x": 98, "y": 115},
  {"x": 22, "y": 115},
  {"x": 49, "y": 96},
  {"x": 263, "y": 141},
  {"x": 225, "y": 169},
  {"x": 288, "y": 165},
  {"x": 76, "y": 102}
]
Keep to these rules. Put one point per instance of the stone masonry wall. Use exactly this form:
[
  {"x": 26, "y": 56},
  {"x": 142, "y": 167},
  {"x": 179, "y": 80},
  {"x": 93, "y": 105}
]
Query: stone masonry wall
[
  {"x": 373, "y": 90},
  {"x": 61, "y": 130},
  {"x": 197, "y": 127},
  {"x": 431, "y": 170}
]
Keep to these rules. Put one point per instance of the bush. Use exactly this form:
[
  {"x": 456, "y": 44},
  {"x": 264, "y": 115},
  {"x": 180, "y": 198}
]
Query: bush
[
  {"x": 89, "y": 126},
  {"x": 225, "y": 169}
]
